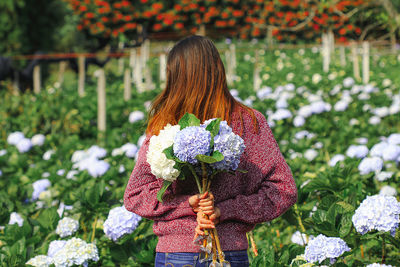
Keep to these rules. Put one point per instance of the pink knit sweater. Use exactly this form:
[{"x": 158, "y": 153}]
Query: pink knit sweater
[{"x": 263, "y": 193}]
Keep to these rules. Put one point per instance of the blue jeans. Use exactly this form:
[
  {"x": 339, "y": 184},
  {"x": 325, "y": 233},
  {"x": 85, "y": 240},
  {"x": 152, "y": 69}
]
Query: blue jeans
[{"x": 236, "y": 258}]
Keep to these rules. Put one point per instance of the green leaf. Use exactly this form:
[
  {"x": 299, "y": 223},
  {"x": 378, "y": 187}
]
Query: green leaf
[
  {"x": 169, "y": 152},
  {"x": 162, "y": 190},
  {"x": 345, "y": 225},
  {"x": 241, "y": 171},
  {"x": 48, "y": 219},
  {"x": 213, "y": 127},
  {"x": 216, "y": 157},
  {"x": 345, "y": 206},
  {"x": 188, "y": 120}
]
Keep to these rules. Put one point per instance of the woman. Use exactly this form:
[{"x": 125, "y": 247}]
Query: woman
[{"x": 196, "y": 83}]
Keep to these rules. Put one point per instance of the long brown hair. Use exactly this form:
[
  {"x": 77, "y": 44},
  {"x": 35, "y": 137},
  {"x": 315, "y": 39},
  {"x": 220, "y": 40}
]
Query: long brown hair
[{"x": 196, "y": 83}]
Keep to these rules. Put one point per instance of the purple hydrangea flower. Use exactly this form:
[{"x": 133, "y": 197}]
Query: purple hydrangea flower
[
  {"x": 322, "y": 247},
  {"x": 229, "y": 144},
  {"x": 190, "y": 142}
]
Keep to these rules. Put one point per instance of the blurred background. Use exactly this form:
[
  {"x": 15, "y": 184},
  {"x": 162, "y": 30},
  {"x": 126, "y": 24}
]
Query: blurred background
[{"x": 76, "y": 81}]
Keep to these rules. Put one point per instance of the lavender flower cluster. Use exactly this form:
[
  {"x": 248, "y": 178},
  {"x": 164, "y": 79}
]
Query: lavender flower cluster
[
  {"x": 378, "y": 212},
  {"x": 230, "y": 145},
  {"x": 120, "y": 222},
  {"x": 322, "y": 247},
  {"x": 190, "y": 142}
]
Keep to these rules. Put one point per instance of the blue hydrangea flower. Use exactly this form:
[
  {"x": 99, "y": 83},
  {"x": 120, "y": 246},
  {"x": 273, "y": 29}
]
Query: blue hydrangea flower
[
  {"x": 377, "y": 212},
  {"x": 190, "y": 142},
  {"x": 322, "y": 247},
  {"x": 120, "y": 222},
  {"x": 229, "y": 144}
]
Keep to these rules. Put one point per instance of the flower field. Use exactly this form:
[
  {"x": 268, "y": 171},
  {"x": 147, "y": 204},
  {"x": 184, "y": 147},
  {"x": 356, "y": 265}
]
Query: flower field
[{"x": 61, "y": 186}]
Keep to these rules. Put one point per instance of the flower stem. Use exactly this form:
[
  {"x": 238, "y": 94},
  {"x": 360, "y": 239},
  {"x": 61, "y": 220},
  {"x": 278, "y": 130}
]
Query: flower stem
[
  {"x": 94, "y": 229},
  {"x": 196, "y": 178},
  {"x": 383, "y": 249}
]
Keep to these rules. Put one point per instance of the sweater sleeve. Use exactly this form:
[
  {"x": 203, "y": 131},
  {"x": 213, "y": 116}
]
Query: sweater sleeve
[
  {"x": 277, "y": 190},
  {"x": 141, "y": 193}
]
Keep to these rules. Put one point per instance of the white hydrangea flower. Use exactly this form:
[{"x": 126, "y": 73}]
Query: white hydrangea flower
[
  {"x": 71, "y": 174},
  {"x": 383, "y": 176},
  {"x": 387, "y": 190},
  {"x": 378, "y": 149},
  {"x": 394, "y": 139},
  {"x": 97, "y": 152},
  {"x": 378, "y": 265},
  {"x": 47, "y": 155},
  {"x": 300, "y": 239},
  {"x": 348, "y": 82},
  {"x": 299, "y": 121},
  {"x": 357, "y": 151},
  {"x": 55, "y": 246},
  {"x": 141, "y": 140},
  {"x": 15, "y": 137},
  {"x": 162, "y": 167},
  {"x": 66, "y": 227},
  {"x": 117, "y": 152},
  {"x": 368, "y": 165},
  {"x": 362, "y": 140},
  {"x": 341, "y": 105},
  {"x": 94, "y": 166},
  {"x": 75, "y": 252},
  {"x": 121, "y": 169},
  {"x": 3, "y": 152},
  {"x": 24, "y": 145},
  {"x": 281, "y": 114},
  {"x": 38, "y": 139},
  {"x": 15, "y": 218},
  {"x": 374, "y": 120},
  {"x": 130, "y": 150},
  {"x": 335, "y": 159},
  {"x": 60, "y": 172},
  {"x": 377, "y": 212},
  {"x": 316, "y": 78},
  {"x": 120, "y": 222},
  {"x": 310, "y": 154},
  {"x": 392, "y": 152},
  {"x": 136, "y": 116},
  {"x": 40, "y": 261},
  {"x": 39, "y": 186}
]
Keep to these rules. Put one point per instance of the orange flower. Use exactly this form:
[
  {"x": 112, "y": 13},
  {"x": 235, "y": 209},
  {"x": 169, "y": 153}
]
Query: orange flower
[
  {"x": 157, "y": 6},
  {"x": 342, "y": 31},
  {"x": 358, "y": 30},
  {"x": 104, "y": 19},
  {"x": 82, "y": 8},
  {"x": 179, "y": 25},
  {"x": 89, "y": 15},
  {"x": 79, "y": 27},
  {"x": 157, "y": 26}
]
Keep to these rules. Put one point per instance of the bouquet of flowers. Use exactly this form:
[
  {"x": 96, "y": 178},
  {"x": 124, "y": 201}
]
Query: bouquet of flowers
[{"x": 192, "y": 149}]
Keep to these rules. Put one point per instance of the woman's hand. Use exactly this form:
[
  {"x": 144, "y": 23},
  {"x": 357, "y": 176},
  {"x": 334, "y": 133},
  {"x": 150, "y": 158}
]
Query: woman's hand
[{"x": 194, "y": 201}]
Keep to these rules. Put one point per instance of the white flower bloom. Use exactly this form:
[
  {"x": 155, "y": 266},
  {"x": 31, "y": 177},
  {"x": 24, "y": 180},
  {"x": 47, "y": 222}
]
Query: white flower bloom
[
  {"x": 394, "y": 139},
  {"x": 300, "y": 239},
  {"x": 281, "y": 114},
  {"x": 39, "y": 186},
  {"x": 95, "y": 167},
  {"x": 301, "y": 134},
  {"x": 316, "y": 78},
  {"x": 348, "y": 82},
  {"x": 305, "y": 111},
  {"x": 45, "y": 174},
  {"x": 60, "y": 172},
  {"x": 368, "y": 165},
  {"x": 24, "y": 145},
  {"x": 162, "y": 167},
  {"x": 341, "y": 105},
  {"x": 3, "y": 152},
  {"x": 310, "y": 154},
  {"x": 281, "y": 103},
  {"x": 335, "y": 90},
  {"x": 75, "y": 252},
  {"x": 121, "y": 169},
  {"x": 66, "y": 227},
  {"x": 386, "y": 82},
  {"x": 319, "y": 107},
  {"x": 383, "y": 176},
  {"x": 136, "y": 116},
  {"x": 71, "y": 174},
  {"x": 374, "y": 120},
  {"x": 55, "y": 246},
  {"x": 378, "y": 265},
  {"x": 40, "y": 261},
  {"x": 264, "y": 92},
  {"x": 335, "y": 159},
  {"x": 47, "y": 154},
  {"x": 15, "y": 137},
  {"x": 234, "y": 92},
  {"x": 355, "y": 151},
  {"x": 392, "y": 152},
  {"x": 120, "y": 222},
  {"x": 141, "y": 140},
  {"x": 38, "y": 139},
  {"x": 97, "y": 152},
  {"x": 299, "y": 121},
  {"x": 130, "y": 150},
  {"x": 387, "y": 190},
  {"x": 1, "y": 173},
  {"x": 63, "y": 207},
  {"x": 362, "y": 140},
  {"x": 353, "y": 122},
  {"x": 381, "y": 112},
  {"x": 15, "y": 218},
  {"x": 378, "y": 149},
  {"x": 79, "y": 155},
  {"x": 117, "y": 152}
]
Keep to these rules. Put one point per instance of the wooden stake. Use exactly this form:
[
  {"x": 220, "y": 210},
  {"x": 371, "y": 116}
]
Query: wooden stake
[
  {"x": 121, "y": 59},
  {"x": 81, "y": 76},
  {"x": 127, "y": 84},
  {"x": 63, "y": 66},
  {"x": 163, "y": 67},
  {"x": 15, "y": 84},
  {"x": 325, "y": 52},
  {"x": 101, "y": 103},
  {"x": 356, "y": 67},
  {"x": 36, "y": 79},
  {"x": 365, "y": 62}
]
